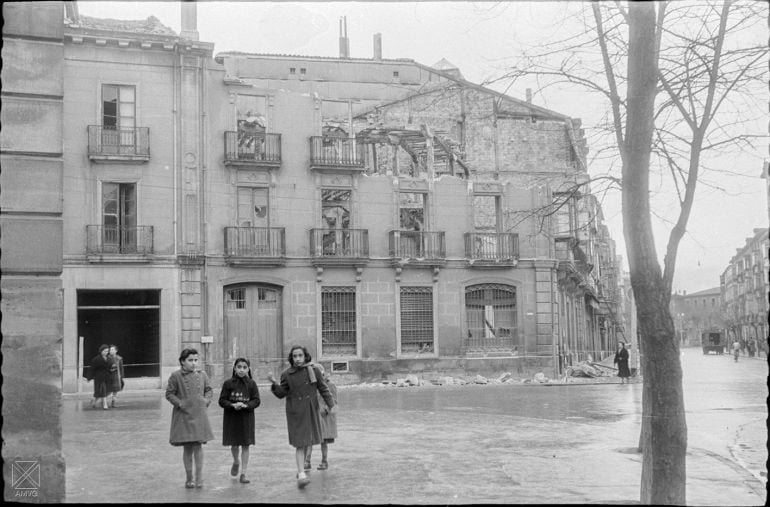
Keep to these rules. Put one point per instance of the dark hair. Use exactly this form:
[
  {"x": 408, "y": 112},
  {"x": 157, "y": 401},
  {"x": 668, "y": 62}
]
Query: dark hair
[
  {"x": 113, "y": 345},
  {"x": 102, "y": 347},
  {"x": 187, "y": 353},
  {"x": 242, "y": 360},
  {"x": 304, "y": 351}
]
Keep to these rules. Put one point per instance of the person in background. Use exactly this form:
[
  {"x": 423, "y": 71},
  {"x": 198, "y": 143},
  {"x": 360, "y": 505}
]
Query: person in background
[
  {"x": 621, "y": 359},
  {"x": 736, "y": 349},
  {"x": 239, "y": 397},
  {"x": 116, "y": 374},
  {"x": 99, "y": 372},
  {"x": 188, "y": 390},
  {"x": 328, "y": 424},
  {"x": 299, "y": 384}
]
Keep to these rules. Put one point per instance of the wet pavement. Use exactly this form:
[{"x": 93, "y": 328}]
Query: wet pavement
[{"x": 440, "y": 445}]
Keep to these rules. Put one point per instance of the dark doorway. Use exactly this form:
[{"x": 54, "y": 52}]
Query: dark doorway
[{"x": 129, "y": 319}]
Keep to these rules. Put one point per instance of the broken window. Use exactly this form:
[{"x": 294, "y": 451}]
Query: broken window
[
  {"x": 119, "y": 231},
  {"x": 118, "y": 117},
  {"x": 486, "y": 212},
  {"x": 251, "y": 124},
  {"x": 416, "y": 319},
  {"x": 338, "y": 321},
  {"x": 335, "y": 213},
  {"x": 491, "y": 317},
  {"x": 411, "y": 209},
  {"x": 563, "y": 206},
  {"x": 252, "y": 207}
]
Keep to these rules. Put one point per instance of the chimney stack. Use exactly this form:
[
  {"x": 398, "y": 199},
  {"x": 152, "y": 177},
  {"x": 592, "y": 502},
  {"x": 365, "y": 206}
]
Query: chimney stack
[
  {"x": 377, "y": 47},
  {"x": 189, "y": 20},
  {"x": 344, "y": 43},
  {"x": 529, "y": 95}
]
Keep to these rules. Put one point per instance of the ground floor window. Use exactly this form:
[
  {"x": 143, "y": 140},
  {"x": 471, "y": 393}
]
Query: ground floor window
[
  {"x": 338, "y": 321},
  {"x": 416, "y": 319},
  {"x": 491, "y": 317}
]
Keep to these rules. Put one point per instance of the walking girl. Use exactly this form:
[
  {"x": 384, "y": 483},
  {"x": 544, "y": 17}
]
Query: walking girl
[
  {"x": 328, "y": 424},
  {"x": 239, "y": 397},
  {"x": 99, "y": 372},
  {"x": 116, "y": 373},
  {"x": 621, "y": 359},
  {"x": 299, "y": 385},
  {"x": 188, "y": 390}
]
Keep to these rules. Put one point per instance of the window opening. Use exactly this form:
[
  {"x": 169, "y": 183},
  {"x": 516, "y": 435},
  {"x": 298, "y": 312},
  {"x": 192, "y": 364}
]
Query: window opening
[
  {"x": 335, "y": 213},
  {"x": 118, "y": 117},
  {"x": 491, "y": 317},
  {"x": 236, "y": 299},
  {"x": 338, "y": 320},
  {"x": 119, "y": 231},
  {"x": 416, "y": 319}
]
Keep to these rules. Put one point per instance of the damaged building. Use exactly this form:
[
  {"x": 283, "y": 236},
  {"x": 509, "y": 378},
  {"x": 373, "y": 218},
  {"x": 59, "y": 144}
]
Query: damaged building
[{"x": 390, "y": 216}]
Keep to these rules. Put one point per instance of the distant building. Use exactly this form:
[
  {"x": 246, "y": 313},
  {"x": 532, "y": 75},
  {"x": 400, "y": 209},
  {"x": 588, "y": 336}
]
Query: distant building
[
  {"x": 694, "y": 313},
  {"x": 744, "y": 290}
]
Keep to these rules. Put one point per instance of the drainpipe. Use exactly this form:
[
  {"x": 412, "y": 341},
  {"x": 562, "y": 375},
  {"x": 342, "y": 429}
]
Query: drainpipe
[{"x": 175, "y": 113}]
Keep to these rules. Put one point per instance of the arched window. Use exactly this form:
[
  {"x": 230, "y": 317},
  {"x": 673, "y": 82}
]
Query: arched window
[{"x": 491, "y": 318}]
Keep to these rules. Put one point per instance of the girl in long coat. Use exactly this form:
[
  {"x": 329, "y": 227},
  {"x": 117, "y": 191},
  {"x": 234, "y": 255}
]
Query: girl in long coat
[
  {"x": 239, "y": 397},
  {"x": 621, "y": 359},
  {"x": 189, "y": 391},
  {"x": 116, "y": 373},
  {"x": 299, "y": 385},
  {"x": 99, "y": 372}
]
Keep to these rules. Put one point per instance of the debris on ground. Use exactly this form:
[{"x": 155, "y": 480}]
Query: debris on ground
[
  {"x": 588, "y": 369},
  {"x": 480, "y": 380},
  {"x": 540, "y": 378}
]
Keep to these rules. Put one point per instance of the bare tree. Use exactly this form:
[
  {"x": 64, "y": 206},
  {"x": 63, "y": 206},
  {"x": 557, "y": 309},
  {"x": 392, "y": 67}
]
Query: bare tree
[{"x": 689, "y": 76}]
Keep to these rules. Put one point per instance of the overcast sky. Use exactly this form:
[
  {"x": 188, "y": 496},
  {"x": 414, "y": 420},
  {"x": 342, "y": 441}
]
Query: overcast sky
[{"x": 479, "y": 38}]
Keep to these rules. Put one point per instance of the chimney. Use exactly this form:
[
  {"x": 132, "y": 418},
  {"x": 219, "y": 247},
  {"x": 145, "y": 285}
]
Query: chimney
[
  {"x": 344, "y": 43},
  {"x": 189, "y": 20},
  {"x": 377, "y": 47},
  {"x": 529, "y": 95}
]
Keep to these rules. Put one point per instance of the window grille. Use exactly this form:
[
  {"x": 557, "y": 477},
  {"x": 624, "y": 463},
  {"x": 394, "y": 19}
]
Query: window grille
[
  {"x": 236, "y": 299},
  {"x": 416, "y": 319},
  {"x": 491, "y": 317},
  {"x": 338, "y": 321}
]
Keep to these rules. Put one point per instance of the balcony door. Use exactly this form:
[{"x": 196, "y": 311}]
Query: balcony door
[
  {"x": 486, "y": 223},
  {"x": 253, "y": 221},
  {"x": 335, "y": 212},
  {"x": 118, "y": 119},
  {"x": 119, "y": 230},
  {"x": 411, "y": 213}
]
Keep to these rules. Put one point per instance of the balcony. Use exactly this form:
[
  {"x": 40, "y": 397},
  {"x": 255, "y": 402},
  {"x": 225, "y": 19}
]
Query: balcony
[
  {"x": 255, "y": 246},
  {"x": 417, "y": 248},
  {"x": 112, "y": 243},
  {"x": 252, "y": 150},
  {"x": 335, "y": 153},
  {"x": 109, "y": 144},
  {"x": 342, "y": 247},
  {"x": 492, "y": 249}
]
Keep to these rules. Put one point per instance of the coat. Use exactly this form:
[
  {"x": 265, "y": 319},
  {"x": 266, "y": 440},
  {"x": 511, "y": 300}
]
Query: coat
[
  {"x": 328, "y": 421},
  {"x": 238, "y": 425},
  {"x": 191, "y": 394},
  {"x": 116, "y": 374},
  {"x": 99, "y": 372},
  {"x": 621, "y": 359},
  {"x": 302, "y": 405}
]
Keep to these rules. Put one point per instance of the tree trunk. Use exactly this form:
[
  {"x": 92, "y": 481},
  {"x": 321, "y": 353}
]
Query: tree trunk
[{"x": 664, "y": 444}]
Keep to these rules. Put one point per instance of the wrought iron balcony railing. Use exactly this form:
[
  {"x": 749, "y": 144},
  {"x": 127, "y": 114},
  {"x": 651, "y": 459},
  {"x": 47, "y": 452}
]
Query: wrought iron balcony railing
[
  {"x": 127, "y": 143},
  {"x": 335, "y": 152},
  {"x": 255, "y": 148},
  {"x": 113, "y": 239},
  {"x": 418, "y": 245},
  {"x": 492, "y": 247},
  {"x": 339, "y": 243},
  {"x": 264, "y": 242}
]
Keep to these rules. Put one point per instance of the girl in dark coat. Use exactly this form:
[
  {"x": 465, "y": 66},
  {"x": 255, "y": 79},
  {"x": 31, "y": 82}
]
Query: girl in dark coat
[
  {"x": 621, "y": 359},
  {"x": 116, "y": 373},
  {"x": 99, "y": 372},
  {"x": 299, "y": 385},
  {"x": 189, "y": 391},
  {"x": 239, "y": 397}
]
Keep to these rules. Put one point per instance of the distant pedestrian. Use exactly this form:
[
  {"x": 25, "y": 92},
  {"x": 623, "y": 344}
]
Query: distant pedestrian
[
  {"x": 751, "y": 347},
  {"x": 239, "y": 397},
  {"x": 99, "y": 372},
  {"x": 328, "y": 424},
  {"x": 299, "y": 384},
  {"x": 189, "y": 391},
  {"x": 736, "y": 349},
  {"x": 116, "y": 373},
  {"x": 621, "y": 359}
]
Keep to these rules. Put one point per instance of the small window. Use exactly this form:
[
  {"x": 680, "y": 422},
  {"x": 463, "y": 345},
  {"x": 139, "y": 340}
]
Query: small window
[
  {"x": 236, "y": 299},
  {"x": 338, "y": 321},
  {"x": 292, "y": 70},
  {"x": 303, "y": 70},
  {"x": 395, "y": 73}
]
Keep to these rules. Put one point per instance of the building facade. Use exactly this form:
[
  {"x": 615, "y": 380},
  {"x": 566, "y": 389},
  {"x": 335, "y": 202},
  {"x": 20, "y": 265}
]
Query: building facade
[
  {"x": 744, "y": 291},
  {"x": 389, "y": 216},
  {"x": 694, "y": 313}
]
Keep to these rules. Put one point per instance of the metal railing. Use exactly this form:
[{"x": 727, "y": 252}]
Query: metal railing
[
  {"x": 417, "y": 245},
  {"x": 339, "y": 243},
  {"x": 107, "y": 141},
  {"x": 102, "y": 239},
  {"x": 242, "y": 147},
  {"x": 333, "y": 151},
  {"x": 255, "y": 241},
  {"x": 491, "y": 246},
  {"x": 498, "y": 343}
]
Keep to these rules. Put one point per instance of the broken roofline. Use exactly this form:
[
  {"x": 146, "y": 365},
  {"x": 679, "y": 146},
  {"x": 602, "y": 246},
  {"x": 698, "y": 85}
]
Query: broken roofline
[{"x": 219, "y": 57}]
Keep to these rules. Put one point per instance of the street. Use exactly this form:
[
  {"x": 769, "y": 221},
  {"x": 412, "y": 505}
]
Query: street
[{"x": 441, "y": 445}]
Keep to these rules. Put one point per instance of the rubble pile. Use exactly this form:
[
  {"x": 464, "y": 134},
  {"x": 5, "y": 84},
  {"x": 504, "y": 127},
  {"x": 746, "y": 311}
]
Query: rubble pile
[{"x": 588, "y": 369}]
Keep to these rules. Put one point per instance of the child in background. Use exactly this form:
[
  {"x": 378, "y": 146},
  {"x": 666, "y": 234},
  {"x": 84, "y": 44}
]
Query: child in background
[
  {"x": 328, "y": 424},
  {"x": 189, "y": 391},
  {"x": 239, "y": 397}
]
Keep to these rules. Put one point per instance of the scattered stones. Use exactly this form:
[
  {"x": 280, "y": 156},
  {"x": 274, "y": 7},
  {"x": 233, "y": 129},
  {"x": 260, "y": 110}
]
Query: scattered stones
[
  {"x": 540, "y": 378},
  {"x": 412, "y": 380},
  {"x": 480, "y": 380}
]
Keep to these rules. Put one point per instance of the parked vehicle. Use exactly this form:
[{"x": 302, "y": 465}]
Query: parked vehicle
[{"x": 713, "y": 340}]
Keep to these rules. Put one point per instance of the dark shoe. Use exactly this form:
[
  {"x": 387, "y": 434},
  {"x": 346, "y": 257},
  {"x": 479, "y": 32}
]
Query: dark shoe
[
  {"x": 323, "y": 466},
  {"x": 234, "y": 469},
  {"x": 243, "y": 479},
  {"x": 189, "y": 484},
  {"x": 113, "y": 403},
  {"x": 302, "y": 480},
  {"x": 308, "y": 466}
]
